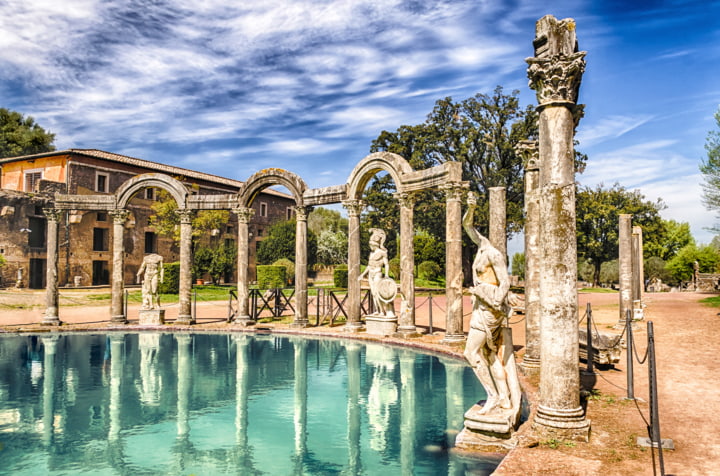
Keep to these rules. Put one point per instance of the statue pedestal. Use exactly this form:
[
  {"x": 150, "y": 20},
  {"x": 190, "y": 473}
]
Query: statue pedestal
[
  {"x": 152, "y": 317},
  {"x": 493, "y": 429},
  {"x": 380, "y": 325}
]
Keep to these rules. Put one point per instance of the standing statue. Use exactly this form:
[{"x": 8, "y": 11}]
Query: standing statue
[
  {"x": 489, "y": 345},
  {"x": 382, "y": 288},
  {"x": 152, "y": 267}
]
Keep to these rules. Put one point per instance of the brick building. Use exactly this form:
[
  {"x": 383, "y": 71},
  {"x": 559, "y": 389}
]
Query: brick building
[{"x": 28, "y": 185}]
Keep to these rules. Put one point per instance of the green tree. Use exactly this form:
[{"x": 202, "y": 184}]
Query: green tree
[
  {"x": 321, "y": 219},
  {"x": 597, "y": 218},
  {"x": 166, "y": 221},
  {"x": 428, "y": 248},
  {"x": 710, "y": 168},
  {"x": 280, "y": 243},
  {"x": 518, "y": 265},
  {"x": 675, "y": 237},
  {"x": 332, "y": 247},
  {"x": 681, "y": 267},
  {"x": 22, "y": 136}
]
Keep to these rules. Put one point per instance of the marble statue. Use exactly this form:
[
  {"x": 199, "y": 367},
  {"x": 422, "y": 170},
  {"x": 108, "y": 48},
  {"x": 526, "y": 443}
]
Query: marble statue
[
  {"x": 382, "y": 288},
  {"x": 150, "y": 275}
]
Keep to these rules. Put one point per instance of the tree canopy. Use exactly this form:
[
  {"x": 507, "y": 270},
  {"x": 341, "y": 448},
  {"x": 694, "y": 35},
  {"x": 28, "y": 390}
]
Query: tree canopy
[
  {"x": 710, "y": 168},
  {"x": 597, "y": 212},
  {"x": 20, "y": 135},
  {"x": 280, "y": 243}
]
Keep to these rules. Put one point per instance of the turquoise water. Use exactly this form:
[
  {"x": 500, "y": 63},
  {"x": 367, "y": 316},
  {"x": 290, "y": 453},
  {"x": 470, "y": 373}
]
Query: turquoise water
[{"x": 209, "y": 404}]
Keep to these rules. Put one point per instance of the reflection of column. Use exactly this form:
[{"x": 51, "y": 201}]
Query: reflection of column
[
  {"x": 116, "y": 371},
  {"x": 118, "y": 315},
  {"x": 625, "y": 266},
  {"x": 51, "y": 317},
  {"x": 300, "y": 413},
  {"x": 406, "y": 321},
  {"x": 354, "y": 208},
  {"x": 383, "y": 394},
  {"x": 50, "y": 348},
  {"x": 498, "y": 220},
  {"x": 301, "y": 304},
  {"x": 150, "y": 387},
  {"x": 244, "y": 215},
  {"x": 352, "y": 353},
  {"x": 184, "y": 383},
  {"x": 454, "y": 407},
  {"x": 531, "y": 359},
  {"x": 185, "y": 311},
  {"x": 555, "y": 73},
  {"x": 453, "y": 264},
  {"x": 242, "y": 355},
  {"x": 407, "y": 411}
]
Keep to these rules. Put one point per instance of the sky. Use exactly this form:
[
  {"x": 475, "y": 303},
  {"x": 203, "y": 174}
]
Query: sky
[{"x": 230, "y": 88}]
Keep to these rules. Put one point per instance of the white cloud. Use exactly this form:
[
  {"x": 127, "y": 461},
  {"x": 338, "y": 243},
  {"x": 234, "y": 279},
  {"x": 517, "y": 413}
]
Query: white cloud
[{"x": 610, "y": 127}]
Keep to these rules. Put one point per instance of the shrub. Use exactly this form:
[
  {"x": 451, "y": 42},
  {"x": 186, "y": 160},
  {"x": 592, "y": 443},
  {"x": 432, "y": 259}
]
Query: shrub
[
  {"x": 395, "y": 267},
  {"x": 340, "y": 276},
  {"x": 269, "y": 277},
  {"x": 289, "y": 269},
  {"x": 171, "y": 279},
  {"x": 429, "y": 270}
]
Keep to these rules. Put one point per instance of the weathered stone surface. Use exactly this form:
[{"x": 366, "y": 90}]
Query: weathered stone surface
[
  {"x": 151, "y": 317},
  {"x": 606, "y": 348},
  {"x": 498, "y": 220},
  {"x": 625, "y": 267},
  {"x": 380, "y": 325}
]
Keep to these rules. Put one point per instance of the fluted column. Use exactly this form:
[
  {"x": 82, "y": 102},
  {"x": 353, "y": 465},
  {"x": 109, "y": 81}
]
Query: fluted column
[
  {"x": 51, "y": 317},
  {"x": 531, "y": 360},
  {"x": 498, "y": 220},
  {"x": 354, "y": 209},
  {"x": 555, "y": 73},
  {"x": 453, "y": 263},
  {"x": 625, "y": 266},
  {"x": 301, "y": 290},
  {"x": 406, "y": 320},
  {"x": 244, "y": 215},
  {"x": 118, "y": 314},
  {"x": 185, "y": 309}
]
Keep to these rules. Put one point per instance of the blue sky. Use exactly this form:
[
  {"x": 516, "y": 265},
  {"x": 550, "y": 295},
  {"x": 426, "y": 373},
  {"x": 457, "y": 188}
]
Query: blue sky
[{"x": 233, "y": 87}]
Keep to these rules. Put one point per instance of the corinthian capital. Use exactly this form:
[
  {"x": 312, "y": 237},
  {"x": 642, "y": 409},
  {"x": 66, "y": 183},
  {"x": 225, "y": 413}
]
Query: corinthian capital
[
  {"x": 556, "y": 79},
  {"x": 529, "y": 152},
  {"x": 186, "y": 216},
  {"x": 119, "y": 215},
  {"x": 353, "y": 207},
  {"x": 52, "y": 214},
  {"x": 244, "y": 214}
]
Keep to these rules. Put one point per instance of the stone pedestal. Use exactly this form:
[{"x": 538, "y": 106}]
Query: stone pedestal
[
  {"x": 483, "y": 431},
  {"x": 380, "y": 325},
  {"x": 152, "y": 317}
]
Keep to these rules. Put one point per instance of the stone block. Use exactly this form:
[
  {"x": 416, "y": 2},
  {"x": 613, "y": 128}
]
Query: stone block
[
  {"x": 152, "y": 317},
  {"x": 380, "y": 325}
]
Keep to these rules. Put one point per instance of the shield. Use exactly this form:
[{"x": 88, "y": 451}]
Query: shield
[{"x": 387, "y": 289}]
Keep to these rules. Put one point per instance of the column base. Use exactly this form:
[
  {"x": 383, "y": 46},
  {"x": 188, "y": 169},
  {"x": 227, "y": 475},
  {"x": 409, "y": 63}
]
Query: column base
[
  {"x": 530, "y": 365},
  {"x": 356, "y": 326},
  {"x": 300, "y": 323},
  {"x": 51, "y": 321},
  {"x": 118, "y": 320},
  {"x": 185, "y": 320},
  {"x": 487, "y": 432},
  {"x": 407, "y": 332},
  {"x": 454, "y": 338},
  {"x": 244, "y": 321},
  {"x": 562, "y": 424}
]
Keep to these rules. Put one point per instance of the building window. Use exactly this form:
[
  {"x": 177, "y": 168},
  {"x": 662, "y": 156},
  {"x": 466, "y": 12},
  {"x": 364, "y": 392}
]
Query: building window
[
  {"x": 32, "y": 177},
  {"x": 260, "y": 231},
  {"x": 229, "y": 243},
  {"x": 101, "y": 182},
  {"x": 101, "y": 273},
  {"x": 100, "y": 239},
  {"x": 150, "y": 193},
  {"x": 36, "y": 232},
  {"x": 263, "y": 209},
  {"x": 150, "y": 242},
  {"x": 101, "y": 216},
  {"x": 289, "y": 212}
]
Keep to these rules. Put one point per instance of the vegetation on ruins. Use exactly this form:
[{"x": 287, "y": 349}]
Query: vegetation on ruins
[
  {"x": 710, "y": 168},
  {"x": 20, "y": 135}
]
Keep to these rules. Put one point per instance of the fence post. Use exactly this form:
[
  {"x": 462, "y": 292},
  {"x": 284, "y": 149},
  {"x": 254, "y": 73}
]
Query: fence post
[
  {"x": 430, "y": 323},
  {"x": 125, "y": 306},
  {"x": 630, "y": 344},
  {"x": 589, "y": 342},
  {"x": 194, "y": 311}
]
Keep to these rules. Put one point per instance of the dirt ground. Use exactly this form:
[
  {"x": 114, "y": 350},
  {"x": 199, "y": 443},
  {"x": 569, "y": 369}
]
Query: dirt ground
[{"x": 686, "y": 340}]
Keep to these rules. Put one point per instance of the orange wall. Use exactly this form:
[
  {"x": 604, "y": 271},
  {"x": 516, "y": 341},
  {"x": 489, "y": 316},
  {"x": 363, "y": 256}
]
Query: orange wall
[{"x": 13, "y": 173}]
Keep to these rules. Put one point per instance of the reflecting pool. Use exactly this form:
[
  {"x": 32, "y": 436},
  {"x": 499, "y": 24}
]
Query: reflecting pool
[{"x": 204, "y": 404}]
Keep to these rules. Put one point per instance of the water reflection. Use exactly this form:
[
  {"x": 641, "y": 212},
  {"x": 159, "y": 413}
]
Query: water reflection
[{"x": 215, "y": 404}]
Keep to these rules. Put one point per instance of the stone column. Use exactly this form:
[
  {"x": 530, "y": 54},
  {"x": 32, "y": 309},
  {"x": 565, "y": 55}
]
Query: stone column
[
  {"x": 244, "y": 215},
  {"x": 453, "y": 263},
  {"x": 51, "y": 317},
  {"x": 406, "y": 320},
  {"x": 555, "y": 73},
  {"x": 498, "y": 220},
  {"x": 531, "y": 359},
  {"x": 301, "y": 290},
  {"x": 625, "y": 266},
  {"x": 354, "y": 208},
  {"x": 185, "y": 311},
  {"x": 638, "y": 272},
  {"x": 118, "y": 314}
]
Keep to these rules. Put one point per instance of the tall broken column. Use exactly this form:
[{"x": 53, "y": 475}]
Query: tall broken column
[
  {"x": 638, "y": 272},
  {"x": 555, "y": 73},
  {"x": 529, "y": 152},
  {"x": 498, "y": 220},
  {"x": 625, "y": 267}
]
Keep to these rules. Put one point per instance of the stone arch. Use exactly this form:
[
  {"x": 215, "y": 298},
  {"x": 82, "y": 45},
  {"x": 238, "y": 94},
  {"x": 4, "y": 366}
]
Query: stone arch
[
  {"x": 262, "y": 179},
  {"x": 173, "y": 186},
  {"x": 393, "y": 164}
]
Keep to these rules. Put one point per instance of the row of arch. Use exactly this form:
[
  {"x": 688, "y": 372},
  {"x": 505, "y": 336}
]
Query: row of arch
[{"x": 447, "y": 177}]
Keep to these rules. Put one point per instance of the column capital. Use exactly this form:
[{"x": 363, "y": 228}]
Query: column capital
[
  {"x": 52, "y": 214},
  {"x": 353, "y": 207},
  {"x": 244, "y": 214},
  {"x": 302, "y": 212},
  {"x": 119, "y": 215},
  {"x": 406, "y": 199},
  {"x": 454, "y": 190},
  {"x": 186, "y": 216},
  {"x": 556, "y": 79},
  {"x": 529, "y": 151}
]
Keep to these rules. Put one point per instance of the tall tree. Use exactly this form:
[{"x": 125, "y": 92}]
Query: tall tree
[
  {"x": 710, "y": 169},
  {"x": 280, "y": 243},
  {"x": 676, "y": 235},
  {"x": 20, "y": 135},
  {"x": 597, "y": 222}
]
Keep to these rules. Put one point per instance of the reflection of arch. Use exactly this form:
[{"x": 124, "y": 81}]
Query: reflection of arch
[
  {"x": 174, "y": 187},
  {"x": 393, "y": 164},
  {"x": 267, "y": 178}
]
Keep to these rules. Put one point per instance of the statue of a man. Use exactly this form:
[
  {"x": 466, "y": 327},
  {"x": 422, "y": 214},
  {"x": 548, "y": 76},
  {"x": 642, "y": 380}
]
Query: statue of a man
[
  {"x": 152, "y": 267},
  {"x": 377, "y": 263},
  {"x": 490, "y": 307}
]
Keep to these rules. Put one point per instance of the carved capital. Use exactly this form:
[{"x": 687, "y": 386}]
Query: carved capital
[
  {"x": 556, "y": 79},
  {"x": 186, "y": 216},
  {"x": 244, "y": 214},
  {"x": 529, "y": 151},
  {"x": 52, "y": 214},
  {"x": 405, "y": 199},
  {"x": 353, "y": 207},
  {"x": 302, "y": 212},
  {"x": 119, "y": 215},
  {"x": 454, "y": 191}
]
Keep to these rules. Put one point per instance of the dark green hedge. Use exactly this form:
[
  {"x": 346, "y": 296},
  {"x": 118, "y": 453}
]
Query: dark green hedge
[
  {"x": 171, "y": 279},
  {"x": 340, "y": 276},
  {"x": 269, "y": 277}
]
